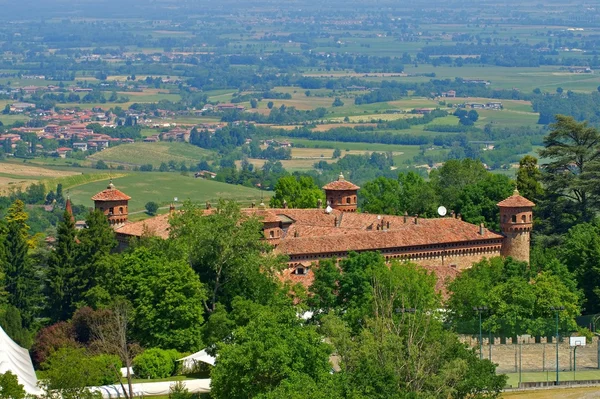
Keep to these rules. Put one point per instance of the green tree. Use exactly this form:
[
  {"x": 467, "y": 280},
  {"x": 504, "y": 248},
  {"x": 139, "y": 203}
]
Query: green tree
[
  {"x": 336, "y": 153},
  {"x": 270, "y": 346},
  {"x": 69, "y": 372},
  {"x": 61, "y": 272},
  {"x": 337, "y": 102},
  {"x": 167, "y": 300},
  {"x": 400, "y": 349},
  {"x": 227, "y": 251},
  {"x": 151, "y": 207},
  {"x": 572, "y": 150},
  {"x": 10, "y": 387},
  {"x": 477, "y": 202},
  {"x": 270, "y": 105},
  {"x": 297, "y": 191},
  {"x": 12, "y": 324},
  {"x": 580, "y": 251},
  {"x": 449, "y": 180},
  {"x": 21, "y": 281},
  {"x": 529, "y": 178},
  {"x": 254, "y": 103},
  {"x": 519, "y": 298},
  {"x": 94, "y": 272}
]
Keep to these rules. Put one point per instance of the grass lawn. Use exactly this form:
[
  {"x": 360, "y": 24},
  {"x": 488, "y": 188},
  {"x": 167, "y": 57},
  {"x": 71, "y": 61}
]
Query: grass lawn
[
  {"x": 513, "y": 378},
  {"x": 163, "y": 187},
  {"x": 151, "y": 153}
]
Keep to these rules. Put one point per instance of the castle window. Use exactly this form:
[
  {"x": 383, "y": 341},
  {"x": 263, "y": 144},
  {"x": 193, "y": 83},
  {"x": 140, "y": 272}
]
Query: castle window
[
  {"x": 523, "y": 218},
  {"x": 121, "y": 210},
  {"x": 514, "y": 218},
  {"x": 111, "y": 210},
  {"x": 271, "y": 234},
  {"x": 347, "y": 200},
  {"x": 300, "y": 271},
  {"x": 530, "y": 217}
]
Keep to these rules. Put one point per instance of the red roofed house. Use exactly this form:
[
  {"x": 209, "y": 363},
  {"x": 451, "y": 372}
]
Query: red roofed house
[
  {"x": 444, "y": 245},
  {"x": 113, "y": 203}
]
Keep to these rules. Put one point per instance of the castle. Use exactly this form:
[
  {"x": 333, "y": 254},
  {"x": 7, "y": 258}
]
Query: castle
[{"x": 444, "y": 245}]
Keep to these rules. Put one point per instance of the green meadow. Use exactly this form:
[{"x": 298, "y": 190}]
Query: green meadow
[{"x": 162, "y": 188}]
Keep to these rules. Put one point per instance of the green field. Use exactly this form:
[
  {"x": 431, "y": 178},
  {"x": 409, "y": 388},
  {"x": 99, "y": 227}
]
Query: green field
[
  {"x": 151, "y": 153},
  {"x": 163, "y": 187},
  {"x": 513, "y": 378},
  {"x": 556, "y": 393}
]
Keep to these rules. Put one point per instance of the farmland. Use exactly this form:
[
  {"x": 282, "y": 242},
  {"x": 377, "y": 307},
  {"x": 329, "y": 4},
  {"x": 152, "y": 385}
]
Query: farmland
[
  {"x": 151, "y": 153},
  {"x": 163, "y": 187}
]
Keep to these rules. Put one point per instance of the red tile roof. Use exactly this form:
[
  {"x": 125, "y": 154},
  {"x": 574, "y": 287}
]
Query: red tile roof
[
  {"x": 157, "y": 226},
  {"x": 111, "y": 194},
  {"x": 516, "y": 201},
  {"x": 341, "y": 184},
  {"x": 426, "y": 232}
]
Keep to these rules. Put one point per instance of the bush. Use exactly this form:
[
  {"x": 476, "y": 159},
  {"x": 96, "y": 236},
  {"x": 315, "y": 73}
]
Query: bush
[
  {"x": 154, "y": 363},
  {"x": 108, "y": 367},
  {"x": 52, "y": 338},
  {"x": 151, "y": 207},
  {"x": 10, "y": 387}
]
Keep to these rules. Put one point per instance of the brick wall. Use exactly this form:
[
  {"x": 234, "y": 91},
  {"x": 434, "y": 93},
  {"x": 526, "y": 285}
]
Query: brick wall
[
  {"x": 536, "y": 356},
  {"x": 516, "y": 244}
]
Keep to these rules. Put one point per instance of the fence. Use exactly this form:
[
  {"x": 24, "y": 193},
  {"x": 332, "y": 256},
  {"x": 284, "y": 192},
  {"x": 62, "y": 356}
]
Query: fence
[{"x": 536, "y": 354}]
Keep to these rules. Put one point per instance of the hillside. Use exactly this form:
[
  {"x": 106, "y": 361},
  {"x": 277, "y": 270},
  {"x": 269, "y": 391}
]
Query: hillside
[{"x": 151, "y": 153}]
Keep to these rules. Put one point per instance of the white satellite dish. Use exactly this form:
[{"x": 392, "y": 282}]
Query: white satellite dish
[
  {"x": 442, "y": 211},
  {"x": 175, "y": 199},
  {"x": 328, "y": 209}
]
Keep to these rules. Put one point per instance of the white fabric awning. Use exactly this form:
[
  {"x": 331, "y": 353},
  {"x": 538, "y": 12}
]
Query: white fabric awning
[
  {"x": 152, "y": 388},
  {"x": 15, "y": 359},
  {"x": 201, "y": 356}
]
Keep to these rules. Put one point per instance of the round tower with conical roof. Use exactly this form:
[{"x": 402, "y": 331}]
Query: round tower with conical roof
[
  {"x": 516, "y": 223},
  {"x": 342, "y": 195},
  {"x": 113, "y": 203}
]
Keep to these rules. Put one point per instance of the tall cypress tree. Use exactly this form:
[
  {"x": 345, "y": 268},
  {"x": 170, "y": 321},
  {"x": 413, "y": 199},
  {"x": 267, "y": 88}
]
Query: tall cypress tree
[
  {"x": 60, "y": 278},
  {"x": 21, "y": 281},
  {"x": 96, "y": 241}
]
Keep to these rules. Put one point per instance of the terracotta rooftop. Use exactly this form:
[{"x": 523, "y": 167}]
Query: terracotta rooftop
[
  {"x": 111, "y": 194},
  {"x": 516, "y": 201},
  {"x": 157, "y": 226},
  {"x": 426, "y": 232},
  {"x": 341, "y": 184}
]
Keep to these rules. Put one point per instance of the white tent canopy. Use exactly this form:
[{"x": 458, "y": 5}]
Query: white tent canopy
[
  {"x": 15, "y": 359},
  {"x": 190, "y": 361},
  {"x": 152, "y": 388}
]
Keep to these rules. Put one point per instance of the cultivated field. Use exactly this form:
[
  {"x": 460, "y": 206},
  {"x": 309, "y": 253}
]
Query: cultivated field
[
  {"x": 163, "y": 187},
  {"x": 151, "y": 153}
]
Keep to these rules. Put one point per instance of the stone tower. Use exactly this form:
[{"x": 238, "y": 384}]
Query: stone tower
[
  {"x": 341, "y": 194},
  {"x": 113, "y": 203},
  {"x": 516, "y": 222}
]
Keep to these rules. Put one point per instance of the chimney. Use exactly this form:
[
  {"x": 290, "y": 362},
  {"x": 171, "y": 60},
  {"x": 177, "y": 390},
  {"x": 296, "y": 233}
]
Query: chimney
[
  {"x": 481, "y": 229},
  {"x": 452, "y": 214},
  {"x": 388, "y": 225},
  {"x": 405, "y": 216},
  {"x": 207, "y": 205},
  {"x": 459, "y": 217},
  {"x": 285, "y": 205},
  {"x": 171, "y": 208},
  {"x": 417, "y": 218},
  {"x": 335, "y": 222},
  {"x": 319, "y": 203}
]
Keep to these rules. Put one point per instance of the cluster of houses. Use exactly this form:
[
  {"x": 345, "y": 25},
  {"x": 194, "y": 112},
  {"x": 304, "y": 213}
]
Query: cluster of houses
[{"x": 491, "y": 105}]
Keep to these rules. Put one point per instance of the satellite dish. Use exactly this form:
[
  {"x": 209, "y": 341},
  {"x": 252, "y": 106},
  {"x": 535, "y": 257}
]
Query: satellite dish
[
  {"x": 378, "y": 217},
  {"x": 442, "y": 211},
  {"x": 328, "y": 209},
  {"x": 175, "y": 199}
]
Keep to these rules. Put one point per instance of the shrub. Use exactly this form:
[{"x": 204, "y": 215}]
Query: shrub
[
  {"x": 153, "y": 363},
  {"x": 11, "y": 389},
  {"x": 52, "y": 338},
  {"x": 108, "y": 367},
  {"x": 178, "y": 390}
]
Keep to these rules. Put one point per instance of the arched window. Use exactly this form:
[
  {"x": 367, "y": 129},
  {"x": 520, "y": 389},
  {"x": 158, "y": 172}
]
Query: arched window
[
  {"x": 505, "y": 218},
  {"x": 347, "y": 200},
  {"x": 111, "y": 210},
  {"x": 121, "y": 210},
  {"x": 271, "y": 234},
  {"x": 355, "y": 200},
  {"x": 523, "y": 218},
  {"x": 530, "y": 218},
  {"x": 514, "y": 218}
]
